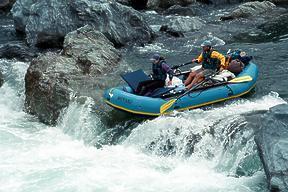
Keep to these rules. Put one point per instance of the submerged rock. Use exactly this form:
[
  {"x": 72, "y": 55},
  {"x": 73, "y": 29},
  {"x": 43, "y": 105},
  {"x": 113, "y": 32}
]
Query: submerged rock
[
  {"x": 272, "y": 142},
  {"x": 53, "y": 79},
  {"x": 47, "y": 22}
]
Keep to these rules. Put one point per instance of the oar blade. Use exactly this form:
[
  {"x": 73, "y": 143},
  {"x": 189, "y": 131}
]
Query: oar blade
[
  {"x": 167, "y": 105},
  {"x": 242, "y": 79}
]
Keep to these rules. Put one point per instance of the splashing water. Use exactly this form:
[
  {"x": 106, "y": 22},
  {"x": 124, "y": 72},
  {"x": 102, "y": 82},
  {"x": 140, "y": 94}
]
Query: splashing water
[{"x": 36, "y": 157}]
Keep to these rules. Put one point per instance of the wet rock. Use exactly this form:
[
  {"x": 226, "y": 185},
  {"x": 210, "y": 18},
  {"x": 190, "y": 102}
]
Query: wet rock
[
  {"x": 155, "y": 4},
  {"x": 180, "y": 25},
  {"x": 120, "y": 24},
  {"x": 52, "y": 79},
  {"x": 6, "y": 5},
  {"x": 250, "y": 9},
  {"x": 171, "y": 32},
  {"x": 47, "y": 27},
  {"x": 263, "y": 29},
  {"x": 41, "y": 23},
  {"x": 179, "y": 10},
  {"x": 272, "y": 142},
  {"x": 21, "y": 12},
  {"x": 20, "y": 52},
  {"x": 94, "y": 53},
  {"x": 222, "y": 2},
  {"x": 275, "y": 27},
  {"x": 46, "y": 86}
]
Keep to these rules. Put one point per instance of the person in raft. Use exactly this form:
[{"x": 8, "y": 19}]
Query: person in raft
[
  {"x": 160, "y": 69},
  {"x": 212, "y": 61}
]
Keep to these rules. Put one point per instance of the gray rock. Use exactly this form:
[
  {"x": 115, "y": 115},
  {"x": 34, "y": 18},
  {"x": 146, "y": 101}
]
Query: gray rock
[
  {"x": 263, "y": 28},
  {"x": 155, "y": 4},
  {"x": 277, "y": 26},
  {"x": 94, "y": 53},
  {"x": 180, "y": 25},
  {"x": 221, "y": 2},
  {"x": 250, "y": 9},
  {"x": 44, "y": 22},
  {"x": 46, "y": 86},
  {"x": 272, "y": 142},
  {"x": 47, "y": 22},
  {"x": 185, "y": 24},
  {"x": 52, "y": 79},
  {"x": 120, "y": 24},
  {"x": 179, "y": 10},
  {"x": 21, "y": 13}
]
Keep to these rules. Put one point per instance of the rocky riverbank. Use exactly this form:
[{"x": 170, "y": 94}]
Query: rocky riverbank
[{"x": 272, "y": 141}]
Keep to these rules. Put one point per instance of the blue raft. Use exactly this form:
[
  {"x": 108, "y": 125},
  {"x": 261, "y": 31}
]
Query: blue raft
[{"x": 124, "y": 99}]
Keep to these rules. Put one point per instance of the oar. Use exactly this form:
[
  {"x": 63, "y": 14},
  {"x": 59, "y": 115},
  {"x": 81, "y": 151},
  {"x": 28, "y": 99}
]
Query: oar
[
  {"x": 181, "y": 65},
  {"x": 242, "y": 79},
  {"x": 169, "y": 103}
]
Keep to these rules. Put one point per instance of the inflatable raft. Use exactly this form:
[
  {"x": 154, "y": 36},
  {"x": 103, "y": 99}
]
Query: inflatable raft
[{"x": 123, "y": 97}]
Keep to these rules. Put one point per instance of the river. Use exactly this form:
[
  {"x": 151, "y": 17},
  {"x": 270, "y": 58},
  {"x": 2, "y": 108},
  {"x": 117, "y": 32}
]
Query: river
[{"x": 207, "y": 149}]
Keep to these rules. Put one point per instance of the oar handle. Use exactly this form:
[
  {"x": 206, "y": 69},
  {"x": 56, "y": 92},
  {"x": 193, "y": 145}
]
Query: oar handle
[
  {"x": 191, "y": 89},
  {"x": 171, "y": 102}
]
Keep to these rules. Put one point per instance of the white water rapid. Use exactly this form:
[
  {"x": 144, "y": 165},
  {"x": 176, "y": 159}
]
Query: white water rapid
[{"x": 198, "y": 150}]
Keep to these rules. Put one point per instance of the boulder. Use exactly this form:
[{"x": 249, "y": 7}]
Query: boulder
[
  {"x": 47, "y": 87},
  {"x": 94, "y": 53},
  {"x": 179, "y": 25},
  {"x": 119, "y": 23},
  {"x": 222, "y": 2},
  {"x": 275, "y": 27},
  {"x": 53, "y": 79},
  {"x": 155, "y": 4},
  {"x": 21, "y": 13},
  {"x": 179, "y": 10},
  {"x": 272, "y": 142},
  {"x": 266, "y": 28},
  {"x": 250, "y": 9},
  {"x": 47, "y": 22}
]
